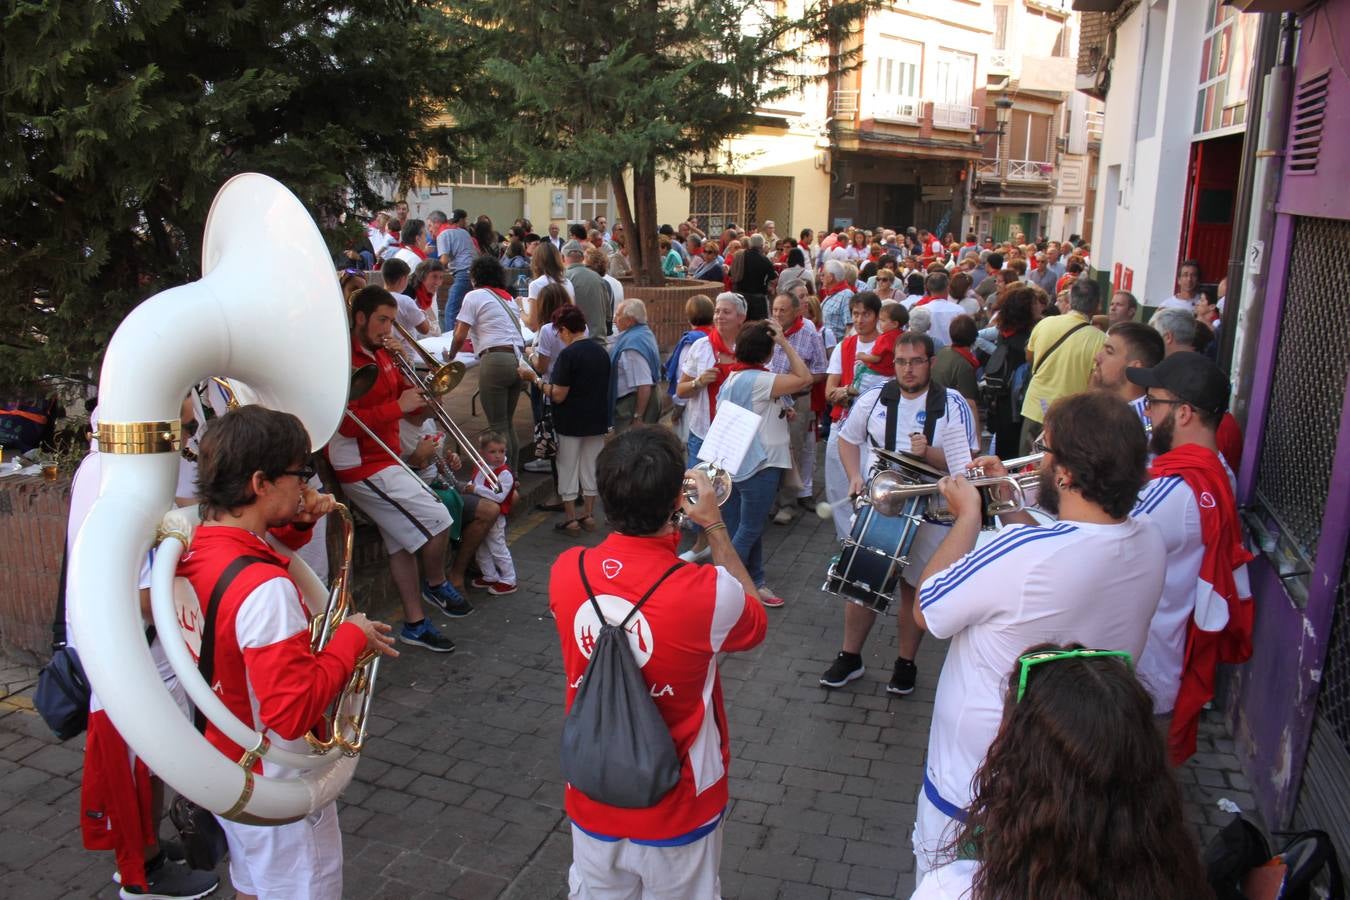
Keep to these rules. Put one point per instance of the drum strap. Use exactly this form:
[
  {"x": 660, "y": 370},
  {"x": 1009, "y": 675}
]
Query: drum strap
[{"x": 935, "y": 405}]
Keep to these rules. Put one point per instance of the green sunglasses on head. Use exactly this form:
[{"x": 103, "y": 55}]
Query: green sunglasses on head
[{"x": 1026, "y": 661}]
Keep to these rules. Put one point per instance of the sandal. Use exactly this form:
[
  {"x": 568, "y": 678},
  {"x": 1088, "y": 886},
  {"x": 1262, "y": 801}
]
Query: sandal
[
  {"x": 769, "y": 598},
  {"x": 571, "y": 526},
  {"x": 588, "y": 523}
]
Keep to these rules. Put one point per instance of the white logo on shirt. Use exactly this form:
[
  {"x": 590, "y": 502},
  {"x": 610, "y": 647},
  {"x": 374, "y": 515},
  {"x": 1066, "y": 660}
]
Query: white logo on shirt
[
  {"x": 611, "y": 568},
  {"x": 586, "y": 627},
  {"x": 1207, "y": 500}
]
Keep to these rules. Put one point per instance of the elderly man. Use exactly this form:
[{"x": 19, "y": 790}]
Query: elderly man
[
  {"x": 835, "y": 296},
  {"x": 802, "y": 335},
  {"x": 635, "y": 367},
  {"x": 1124, "y": 307},
  {"x": 1061, "y": 351},
  {"x": 1049, "y": 271},
  {"x": 756, "y": 273},
  {"x": 589, "y": 290},
  {"x": 1177, "y": 327}
]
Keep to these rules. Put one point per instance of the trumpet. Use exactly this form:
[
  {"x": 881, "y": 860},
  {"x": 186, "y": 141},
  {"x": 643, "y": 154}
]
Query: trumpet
[
  {"x": 1003, "y": 494},
  {"x": 720, "y": 478}
]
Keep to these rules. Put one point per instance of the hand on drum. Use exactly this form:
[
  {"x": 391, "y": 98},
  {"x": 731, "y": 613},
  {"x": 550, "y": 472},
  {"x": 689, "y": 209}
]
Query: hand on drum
[
  {"x": 918, "y": 444},
  {"x": 963, "y": 498},
  {"x": 705, "y": 512},
  {"x": 379, "y": 636}
]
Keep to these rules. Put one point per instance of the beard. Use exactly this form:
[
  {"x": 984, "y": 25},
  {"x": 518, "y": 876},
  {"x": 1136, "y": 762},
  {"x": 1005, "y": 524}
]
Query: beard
[
  {"x": 1160, "y": 441},
  {"x": 1047, "y": 493}
]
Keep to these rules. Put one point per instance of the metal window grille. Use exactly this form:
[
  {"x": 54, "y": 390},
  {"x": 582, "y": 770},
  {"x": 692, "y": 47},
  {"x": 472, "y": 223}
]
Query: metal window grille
[{"x": 1308, "y": 386}]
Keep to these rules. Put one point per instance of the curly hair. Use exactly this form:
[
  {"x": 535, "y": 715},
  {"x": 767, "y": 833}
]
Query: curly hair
[
  {"x": 1096, "y": 437},
  {"x": 1075, "y": 797}
]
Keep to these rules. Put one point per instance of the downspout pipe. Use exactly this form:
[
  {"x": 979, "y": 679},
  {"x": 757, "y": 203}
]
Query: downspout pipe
[{"x": 1244, "y": 310}]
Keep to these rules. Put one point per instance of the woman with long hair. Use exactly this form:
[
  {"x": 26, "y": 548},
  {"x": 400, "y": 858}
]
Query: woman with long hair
[
  {"x": 1014, "y": 317},
  {"x": 546, "y": 267},
  {"x": 1075, "y": 798}
]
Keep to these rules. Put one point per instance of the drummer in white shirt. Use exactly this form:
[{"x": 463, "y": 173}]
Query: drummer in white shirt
[{"x": 945, "y": 444}]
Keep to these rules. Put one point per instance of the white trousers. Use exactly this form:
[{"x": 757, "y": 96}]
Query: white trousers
[
  {"x": 493, "y": 557},
  {"x": 933, "y": 831},
  {"x": 836, "y": 485},
  {"x": 299, "y": 861},
  {"x": 576, "y": 464},
  {"x": 622, "y": 870}
]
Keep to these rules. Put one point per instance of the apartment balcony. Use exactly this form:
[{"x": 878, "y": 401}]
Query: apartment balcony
[
  {"x": 901, "y": 110},
  {"x": 844, "y": 104},
  {"x": 954, "y": 116},
  {"x": 1014, "y": 181},
  {"x": 1096, "y": 124},
  {"x": 1017, "y": 170}
]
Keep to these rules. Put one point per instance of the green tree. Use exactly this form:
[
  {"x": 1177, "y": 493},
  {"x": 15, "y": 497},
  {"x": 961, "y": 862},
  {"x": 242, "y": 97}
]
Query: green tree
[
  {"x": 121, "y": 119},
  {"x": 586, "y": 91}
]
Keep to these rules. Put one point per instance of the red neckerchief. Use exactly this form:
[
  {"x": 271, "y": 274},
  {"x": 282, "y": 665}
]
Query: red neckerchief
[
  {"x": 1223, "y": 570},
  {"x": 745, "y": 367},
  {"x": 706, "y": 329},
  {"x": 421, "y": 254},
  {"x": 720, "y": 349},
  {"x": 795, "y": 327},
  {"x": 927, "y": 299},
  {"x": 424, "y": 298},
  {"x": 967, "y": 355},
  {"x": 832, "y": 290},
  {"x": 1007, "y": 332},
  {"x": 505, "y": 295}
]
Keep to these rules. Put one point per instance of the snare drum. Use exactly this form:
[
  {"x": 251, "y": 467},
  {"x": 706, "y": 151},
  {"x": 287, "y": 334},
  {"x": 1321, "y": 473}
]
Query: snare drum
[{"x": 867, "y": 570}]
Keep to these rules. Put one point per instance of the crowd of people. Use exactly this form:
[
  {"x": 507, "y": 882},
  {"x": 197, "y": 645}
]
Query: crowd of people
[{"x": 879, "y": 344}]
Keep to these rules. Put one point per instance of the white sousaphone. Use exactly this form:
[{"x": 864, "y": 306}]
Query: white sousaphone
[{"x": 268, "y": 286}]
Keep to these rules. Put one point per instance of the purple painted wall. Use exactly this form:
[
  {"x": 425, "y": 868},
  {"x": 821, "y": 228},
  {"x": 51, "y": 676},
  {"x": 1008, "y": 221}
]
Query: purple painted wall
[{"x": 1274, "y": 695}]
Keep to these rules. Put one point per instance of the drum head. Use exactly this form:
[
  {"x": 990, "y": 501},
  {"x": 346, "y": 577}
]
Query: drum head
[{"x": 913, "y": 466}]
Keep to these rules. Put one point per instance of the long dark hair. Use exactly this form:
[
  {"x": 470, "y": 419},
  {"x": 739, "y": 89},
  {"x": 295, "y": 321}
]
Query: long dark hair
[{"x": 1075, "y": 797}]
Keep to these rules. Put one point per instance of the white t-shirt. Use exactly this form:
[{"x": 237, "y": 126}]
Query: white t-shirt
[
  {"x": 942, "y": 313},
  {"x": 950, "y": 882},
  {"x": 490, "y": 320},
  {"x": 1171, "y": 505},
  {"x": 538, "y": 284},
  {"x": 616, "y": 286},
  {"x": 955, "y": 431},
  {"x": 408, "y": 256},
  {"x": 410, "y": 316},
  {"x": 549, "y": 345},
  {"x": 633, "y": 372},
  {"x": 773, "y": 427},
  {"x": 1175, "y": 302},
  {"x": 697, "y": 358},
  {"x": 1097, "y": 585},
  {"x": 865, "y": 380}
]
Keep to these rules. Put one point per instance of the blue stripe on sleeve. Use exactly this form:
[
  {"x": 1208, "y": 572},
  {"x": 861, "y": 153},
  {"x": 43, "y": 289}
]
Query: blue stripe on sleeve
[
  {"x": 1002, "y": 545},
  {"x": 1155, "y": 494}
]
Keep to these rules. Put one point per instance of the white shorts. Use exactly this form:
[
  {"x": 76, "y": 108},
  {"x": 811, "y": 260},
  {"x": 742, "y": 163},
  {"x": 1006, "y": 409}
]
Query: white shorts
[
  {"x": 622, "y": 870},
  {"x": 299, "y": 861},
  {"x": 407, "y": 513}
]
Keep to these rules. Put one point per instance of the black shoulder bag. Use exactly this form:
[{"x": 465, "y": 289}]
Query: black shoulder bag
[{"x": 62, "y": 694}]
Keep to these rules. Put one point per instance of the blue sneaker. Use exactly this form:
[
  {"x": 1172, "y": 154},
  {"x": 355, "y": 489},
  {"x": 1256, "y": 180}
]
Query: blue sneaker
[
  {"x": 447, "y": 599},
  {"x": 424, "y": 634}
]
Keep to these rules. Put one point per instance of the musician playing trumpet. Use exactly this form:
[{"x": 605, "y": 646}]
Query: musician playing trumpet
[
  {"x": 901, "y": 414},
  {"x": 255, "y": 651}
]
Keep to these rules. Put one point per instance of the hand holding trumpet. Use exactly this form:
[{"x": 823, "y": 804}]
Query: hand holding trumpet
[{"x": 705, "y": 511}]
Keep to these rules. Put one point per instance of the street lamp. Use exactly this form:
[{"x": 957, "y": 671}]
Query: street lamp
[{"x": 1002, "y": 115}]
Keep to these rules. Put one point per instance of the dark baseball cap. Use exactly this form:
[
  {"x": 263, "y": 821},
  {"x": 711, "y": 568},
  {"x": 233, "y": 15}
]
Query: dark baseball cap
[{"x": 1189, "y": 376}]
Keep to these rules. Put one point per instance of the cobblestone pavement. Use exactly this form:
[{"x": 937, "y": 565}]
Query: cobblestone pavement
[{"x": 459, "y": 794}]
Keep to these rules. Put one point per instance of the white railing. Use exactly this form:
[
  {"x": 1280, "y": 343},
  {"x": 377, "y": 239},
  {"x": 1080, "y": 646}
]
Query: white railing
[
  {"x": 1016, "y": 169},
  {"x": 954, "y": 115},
  {"x": 845, "y": 104},
  {"x": 897, "y": 109},
  {"x": 1000, "y": 62},
  {"x": 1096, "y": 124}
]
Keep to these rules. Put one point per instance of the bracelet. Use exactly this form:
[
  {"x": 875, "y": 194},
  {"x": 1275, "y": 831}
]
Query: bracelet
[{"x": 714, "y": 527}]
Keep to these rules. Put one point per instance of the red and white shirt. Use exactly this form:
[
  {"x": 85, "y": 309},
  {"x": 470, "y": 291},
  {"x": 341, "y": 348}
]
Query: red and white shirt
[
  {"x": 696, "y": 613},
  {"x": 263, "y": 670},
  {"x": 353, "y": 454}
]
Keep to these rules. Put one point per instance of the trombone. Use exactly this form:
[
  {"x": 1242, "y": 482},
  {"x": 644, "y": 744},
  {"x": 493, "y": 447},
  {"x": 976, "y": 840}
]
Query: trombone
[{"x": 442, "y": 378}]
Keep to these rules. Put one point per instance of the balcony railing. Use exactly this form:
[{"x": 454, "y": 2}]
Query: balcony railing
[
  {"x": 1016, "y": 169},
  {"x": 897, "y": 109},
  {"x": 844, "y": 104},
  {"x": 954, "y": 115},
  {"x": 1096, "y": 124},
  {"x": 1000, "y": 62}
]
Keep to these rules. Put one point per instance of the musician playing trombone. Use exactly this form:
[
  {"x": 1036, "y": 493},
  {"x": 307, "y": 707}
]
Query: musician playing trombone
[
  {"x": 411, "y": 518},
  {"x": 256, "y": 651}
]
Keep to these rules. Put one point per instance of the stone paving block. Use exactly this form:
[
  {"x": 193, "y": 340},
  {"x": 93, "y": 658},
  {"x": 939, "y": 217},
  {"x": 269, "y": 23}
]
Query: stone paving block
[
  {"x": 830, "y": 874},
  {"x": 475, "y": 885},
  {"x": 441, "y": 789},
  {"x": 740, "y": 886},
  {"x": 777, "y": 865},
  {"x": 819, "y": 781},
  {"x": 872, "y": 880},
  {"x": 29, "y": 886}
]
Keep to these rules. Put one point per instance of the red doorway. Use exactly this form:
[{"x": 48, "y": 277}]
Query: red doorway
[{"x": 1207, "y": 225}]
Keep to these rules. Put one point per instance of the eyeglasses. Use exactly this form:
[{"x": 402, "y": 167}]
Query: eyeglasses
[
  {"x": 1028, "y": 660},
  {"x": 1159, "y": 401},
  {"x": 911, "y": 363},
  {"x": 1040, "y": 446},
  {"x": 304, "y": 474}
]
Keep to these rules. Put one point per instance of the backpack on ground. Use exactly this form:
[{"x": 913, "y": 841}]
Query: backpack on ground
[
  {"x": 1239, "y": 865},
  {"x": 616, "y": 748}
]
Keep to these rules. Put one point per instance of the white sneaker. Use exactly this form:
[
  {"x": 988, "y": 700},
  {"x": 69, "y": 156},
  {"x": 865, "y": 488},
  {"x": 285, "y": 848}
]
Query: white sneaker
[
  {"x": 538, "y": 465},
  {"x": 784, "y": 516}
]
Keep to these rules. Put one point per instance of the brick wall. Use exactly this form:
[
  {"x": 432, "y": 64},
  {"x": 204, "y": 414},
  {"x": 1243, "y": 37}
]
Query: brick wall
[
  {"x": 1096, "y": 28},
  {"x": 33, "y": 522}
]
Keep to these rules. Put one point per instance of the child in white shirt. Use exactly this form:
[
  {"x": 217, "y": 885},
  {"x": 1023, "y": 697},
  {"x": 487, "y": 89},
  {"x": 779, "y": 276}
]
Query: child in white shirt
[{"x": 493, "y": 557}]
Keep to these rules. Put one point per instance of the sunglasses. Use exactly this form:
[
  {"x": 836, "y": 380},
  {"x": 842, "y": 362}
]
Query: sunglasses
[
  {"x": 1025, "y": 662},
  {"x": 304, "y": 474},
  {"x": 1040, "y": 446}
]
